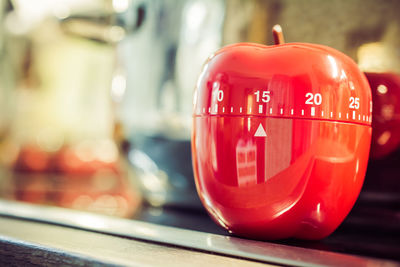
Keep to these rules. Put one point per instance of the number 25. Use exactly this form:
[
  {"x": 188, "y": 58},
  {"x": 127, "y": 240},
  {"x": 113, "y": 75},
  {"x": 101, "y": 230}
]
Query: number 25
[{"x": 354, "y": 102}]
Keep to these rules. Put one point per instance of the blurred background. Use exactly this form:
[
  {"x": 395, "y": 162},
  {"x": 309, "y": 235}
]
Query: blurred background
[{"x": 96, "y": 97}]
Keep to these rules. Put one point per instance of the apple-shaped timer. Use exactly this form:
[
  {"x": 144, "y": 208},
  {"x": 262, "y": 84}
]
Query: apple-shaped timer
[{"x": 281, "y": 138}]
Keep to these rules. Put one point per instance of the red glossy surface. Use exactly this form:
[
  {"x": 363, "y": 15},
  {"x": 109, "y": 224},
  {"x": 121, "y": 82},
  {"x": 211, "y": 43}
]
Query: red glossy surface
[
  {"x": 300, "y": 178},
  {"x": 385, "y": 89}
]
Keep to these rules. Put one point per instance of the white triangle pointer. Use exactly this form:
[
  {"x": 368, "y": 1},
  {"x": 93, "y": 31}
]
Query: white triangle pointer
[{"x": 260, "y": 131}]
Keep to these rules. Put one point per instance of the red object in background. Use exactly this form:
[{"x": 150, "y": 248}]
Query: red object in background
[
  {"x": 385, "y": 89},
  {"x": 32, "y": 159},
  {"x": 68, "y": 161},
  {"x": 281, "y": 138},
  {"x": 72, "y": 178}
]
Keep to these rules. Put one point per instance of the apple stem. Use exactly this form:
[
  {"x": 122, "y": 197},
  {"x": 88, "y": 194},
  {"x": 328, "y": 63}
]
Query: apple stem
[{"x": 278, "y": 35}]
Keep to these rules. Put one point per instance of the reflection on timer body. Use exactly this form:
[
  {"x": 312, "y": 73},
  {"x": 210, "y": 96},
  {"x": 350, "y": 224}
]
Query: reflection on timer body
[{"x": 281, "y": 139}]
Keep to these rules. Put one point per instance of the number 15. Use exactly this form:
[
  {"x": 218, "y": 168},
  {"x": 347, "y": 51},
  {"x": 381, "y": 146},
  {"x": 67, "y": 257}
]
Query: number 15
[{"x": 265, "y": 96}]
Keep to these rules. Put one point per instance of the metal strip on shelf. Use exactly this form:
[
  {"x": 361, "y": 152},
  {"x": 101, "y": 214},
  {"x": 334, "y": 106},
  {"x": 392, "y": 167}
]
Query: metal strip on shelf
[{"x": 224, "y": 245}]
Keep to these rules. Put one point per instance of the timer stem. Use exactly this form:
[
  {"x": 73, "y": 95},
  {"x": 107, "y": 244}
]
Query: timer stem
[{"x": 278, "y": 35}]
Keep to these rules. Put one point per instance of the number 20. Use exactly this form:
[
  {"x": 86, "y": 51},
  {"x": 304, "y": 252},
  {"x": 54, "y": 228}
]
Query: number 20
[{"x": 313, "y": 99}]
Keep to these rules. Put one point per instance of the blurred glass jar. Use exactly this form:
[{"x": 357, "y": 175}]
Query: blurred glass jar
[{"x": 61, "y": 57}]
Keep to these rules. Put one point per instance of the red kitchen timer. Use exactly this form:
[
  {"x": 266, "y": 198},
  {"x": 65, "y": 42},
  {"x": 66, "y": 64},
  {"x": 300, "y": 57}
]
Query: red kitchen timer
[{"x": 281, "y": 138}]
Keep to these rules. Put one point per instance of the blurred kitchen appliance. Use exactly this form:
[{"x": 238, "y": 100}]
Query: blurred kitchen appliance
[{"x": 159, "y": 62}]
